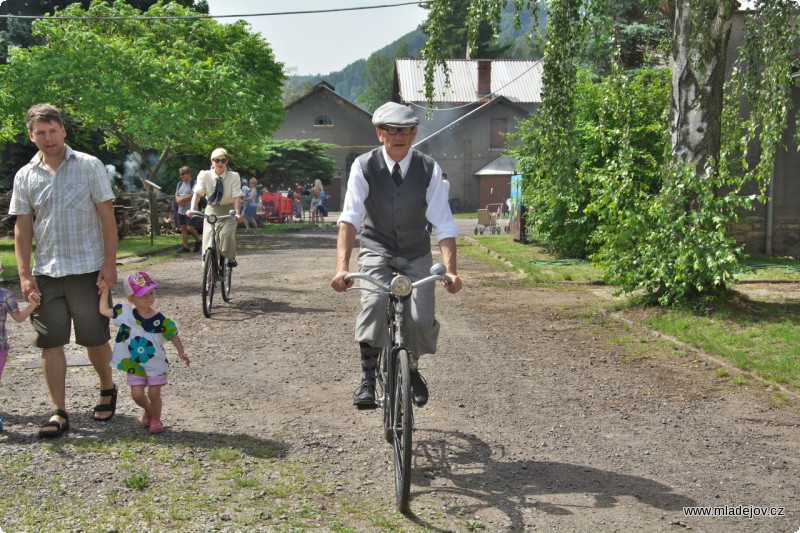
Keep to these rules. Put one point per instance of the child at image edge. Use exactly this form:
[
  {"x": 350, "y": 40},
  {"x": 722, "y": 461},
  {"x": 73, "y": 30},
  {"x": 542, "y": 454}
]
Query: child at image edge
[
  {"x": 9, "y": 306},
  {"x": 139, "y": 346}
]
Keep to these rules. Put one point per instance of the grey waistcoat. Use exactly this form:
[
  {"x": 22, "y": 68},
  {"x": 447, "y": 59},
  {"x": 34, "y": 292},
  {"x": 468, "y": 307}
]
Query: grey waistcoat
[{"x": 395, "y": 216}]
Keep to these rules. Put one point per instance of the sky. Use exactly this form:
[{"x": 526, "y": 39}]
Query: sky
[{"x": 321, "y": 43}]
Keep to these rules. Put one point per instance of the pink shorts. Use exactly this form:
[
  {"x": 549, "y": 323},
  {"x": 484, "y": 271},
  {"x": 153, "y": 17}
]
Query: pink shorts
[{"x": 133, "y": 379}]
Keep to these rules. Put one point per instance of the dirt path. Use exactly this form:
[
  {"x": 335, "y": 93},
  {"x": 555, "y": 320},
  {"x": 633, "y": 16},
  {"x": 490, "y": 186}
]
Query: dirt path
[{"x": 537, "y": 420}]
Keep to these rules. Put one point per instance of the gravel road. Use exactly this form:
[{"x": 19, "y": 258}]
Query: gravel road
[{"x": 546, "y": 414}]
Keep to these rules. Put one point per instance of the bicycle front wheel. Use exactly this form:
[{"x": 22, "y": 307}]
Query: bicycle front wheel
[
  {"x": 402, "y": 419},
  {"x": 209, "y": 273},
  {"x": 227, "y": 273}
]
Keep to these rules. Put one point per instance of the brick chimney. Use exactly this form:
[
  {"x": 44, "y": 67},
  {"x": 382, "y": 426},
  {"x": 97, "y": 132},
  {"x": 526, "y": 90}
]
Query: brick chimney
[{"x": 484, "y": 77}]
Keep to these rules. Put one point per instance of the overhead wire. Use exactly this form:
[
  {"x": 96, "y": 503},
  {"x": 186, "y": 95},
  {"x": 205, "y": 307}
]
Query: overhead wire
[{"x": 197, "y": 17}]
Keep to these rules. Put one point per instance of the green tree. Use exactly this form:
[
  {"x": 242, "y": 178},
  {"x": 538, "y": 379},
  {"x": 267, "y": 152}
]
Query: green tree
[
  {"x": 295, "y": 86},
  {"x": 379, "y": 77},
  {"x": 17, "y": 31},
  {"x": 620, "y": 145},
  {"x": 553, "y": 184},
  {"x": 177, "y": 86},
  {"x": 457, "y": 43},
  {"x": 296, "y": 161},
  {"x": 379, "y": 73},
  {"x": 679, "y": 251},
  {"x": 631, "y": 32}
]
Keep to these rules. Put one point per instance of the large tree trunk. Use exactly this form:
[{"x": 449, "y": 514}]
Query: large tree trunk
[{"x": 698, "y": 75}]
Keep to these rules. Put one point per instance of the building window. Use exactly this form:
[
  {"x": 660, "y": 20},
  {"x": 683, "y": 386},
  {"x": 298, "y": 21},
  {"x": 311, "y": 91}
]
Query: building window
[
  {"x": 351, "y": 157},
  {"x": 323, "y": 120},
  {"x": 497, "y": 135}
]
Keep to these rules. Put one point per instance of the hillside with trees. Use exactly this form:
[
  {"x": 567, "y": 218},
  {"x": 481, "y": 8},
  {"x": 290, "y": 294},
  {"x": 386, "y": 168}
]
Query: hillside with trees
[{"x": 353, "y": 80}]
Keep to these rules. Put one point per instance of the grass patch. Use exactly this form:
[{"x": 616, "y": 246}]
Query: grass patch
[
  {"x": 758, "y": 267},
  {"x": 274, "y": 229},
  {"x": 233, "y": 491},
  {"x": 539, "y": 266},
  {"x": 140, "y": 245},
  {"x": 225, "y": 454},
  {"x": 760, "y": 337},
  {"x": 138, "y": 481}
]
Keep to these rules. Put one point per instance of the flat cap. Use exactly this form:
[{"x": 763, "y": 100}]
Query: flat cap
[{"x": 394, "y": 114}]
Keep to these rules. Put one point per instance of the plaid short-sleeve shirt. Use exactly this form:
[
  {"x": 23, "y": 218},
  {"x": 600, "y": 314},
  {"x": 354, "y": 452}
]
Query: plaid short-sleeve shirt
[{"x": 66, "y": 226}]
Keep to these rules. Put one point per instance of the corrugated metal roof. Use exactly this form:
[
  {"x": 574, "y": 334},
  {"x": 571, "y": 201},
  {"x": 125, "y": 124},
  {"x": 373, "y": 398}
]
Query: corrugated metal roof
[
  {"x": 519, "y": 80},
  {"x": 503, "y": 165}
]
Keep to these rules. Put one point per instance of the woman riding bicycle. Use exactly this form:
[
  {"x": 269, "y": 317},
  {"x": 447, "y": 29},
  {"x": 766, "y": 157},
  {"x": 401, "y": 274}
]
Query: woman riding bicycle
[
  {"x": 223, "y": 190},
  {"x": 399, "y": 190}
]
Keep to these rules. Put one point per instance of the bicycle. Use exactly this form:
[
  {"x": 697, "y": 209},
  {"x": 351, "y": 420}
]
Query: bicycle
[
  {"x": 215, "y": 266},
  {"x": 394, "y": 375}
]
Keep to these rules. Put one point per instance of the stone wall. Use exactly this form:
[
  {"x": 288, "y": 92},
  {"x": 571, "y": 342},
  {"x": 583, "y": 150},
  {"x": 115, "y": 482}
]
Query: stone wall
[{"x": 752, "y": 233}]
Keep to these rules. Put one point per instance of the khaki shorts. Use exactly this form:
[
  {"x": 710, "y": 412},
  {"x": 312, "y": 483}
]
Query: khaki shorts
[{"x": 66, "y": 301}]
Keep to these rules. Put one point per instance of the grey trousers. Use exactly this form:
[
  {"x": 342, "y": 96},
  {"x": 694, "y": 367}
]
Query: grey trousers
[{"x": 420, "y": 327}]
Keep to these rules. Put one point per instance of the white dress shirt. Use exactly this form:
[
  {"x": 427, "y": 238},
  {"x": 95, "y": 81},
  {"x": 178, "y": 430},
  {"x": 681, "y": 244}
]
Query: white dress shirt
[{"x": 438, "y": 211}]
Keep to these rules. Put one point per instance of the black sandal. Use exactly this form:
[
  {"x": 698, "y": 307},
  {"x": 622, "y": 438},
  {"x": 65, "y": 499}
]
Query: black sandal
[
  {"x": 105, "y": 407},
  {"x": 61, "y": 428}
]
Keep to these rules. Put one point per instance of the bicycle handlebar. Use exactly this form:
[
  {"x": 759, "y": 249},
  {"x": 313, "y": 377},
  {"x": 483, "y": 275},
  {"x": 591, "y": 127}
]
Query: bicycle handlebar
[
  {"x": 212, "y": 219},
  {"x": 437, "y": 273}
]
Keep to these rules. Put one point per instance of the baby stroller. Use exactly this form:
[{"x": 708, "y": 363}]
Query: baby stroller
[{"x": 487, "y": 219}]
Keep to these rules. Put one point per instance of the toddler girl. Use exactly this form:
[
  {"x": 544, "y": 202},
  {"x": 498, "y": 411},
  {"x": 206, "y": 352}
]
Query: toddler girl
[
  {"x": 9, "y": 306},
  {"x": 139, "y": 346}
]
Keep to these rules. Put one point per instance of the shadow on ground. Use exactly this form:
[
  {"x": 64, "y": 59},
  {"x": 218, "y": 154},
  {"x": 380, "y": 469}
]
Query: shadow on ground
[{"x": 472, "y": 472}]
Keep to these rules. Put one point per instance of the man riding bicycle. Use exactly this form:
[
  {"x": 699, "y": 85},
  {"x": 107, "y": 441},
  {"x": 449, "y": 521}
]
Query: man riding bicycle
[{"x": 398, "y": 190}]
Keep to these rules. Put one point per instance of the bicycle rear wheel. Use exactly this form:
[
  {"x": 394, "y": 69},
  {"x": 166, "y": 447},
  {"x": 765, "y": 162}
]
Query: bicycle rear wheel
[
  {"x": 226, "y": 278},
  {"x": 402, "y": 419},
  {"x": 209, "y": 273}
]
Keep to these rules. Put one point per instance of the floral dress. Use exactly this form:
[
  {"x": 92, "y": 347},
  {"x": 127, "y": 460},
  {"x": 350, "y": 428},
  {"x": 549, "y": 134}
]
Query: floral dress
[{"x": 139, "y": 346}]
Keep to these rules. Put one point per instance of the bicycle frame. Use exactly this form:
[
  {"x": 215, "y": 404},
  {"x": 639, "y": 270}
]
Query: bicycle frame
[{"x": 215, "y": 267}]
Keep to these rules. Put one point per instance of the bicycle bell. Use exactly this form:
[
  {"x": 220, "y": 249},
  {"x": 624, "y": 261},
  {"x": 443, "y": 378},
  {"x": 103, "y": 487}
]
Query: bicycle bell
[{"x": 438, "y": 269}]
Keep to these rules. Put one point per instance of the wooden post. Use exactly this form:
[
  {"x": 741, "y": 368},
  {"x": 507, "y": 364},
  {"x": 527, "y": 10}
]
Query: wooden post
[{"x": 153, "y": 197}]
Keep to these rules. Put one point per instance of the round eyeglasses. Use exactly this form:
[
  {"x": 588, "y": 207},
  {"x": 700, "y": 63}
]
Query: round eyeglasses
[{"x": 391, "y": 130}]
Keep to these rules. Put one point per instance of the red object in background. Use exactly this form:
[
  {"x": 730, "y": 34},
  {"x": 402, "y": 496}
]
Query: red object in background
[{"x": 277, "y": 207}]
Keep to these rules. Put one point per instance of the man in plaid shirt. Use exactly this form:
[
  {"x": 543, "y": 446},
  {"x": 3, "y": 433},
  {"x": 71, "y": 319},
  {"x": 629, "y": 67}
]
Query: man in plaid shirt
[{"x": 63, "y": 201}]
